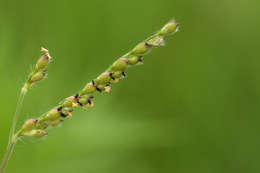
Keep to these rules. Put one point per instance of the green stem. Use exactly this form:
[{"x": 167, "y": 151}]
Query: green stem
[
  {"x": 16, "y": 115},
  {"x": 7, "y": 155},
  {"x": 12, "y": 137}
]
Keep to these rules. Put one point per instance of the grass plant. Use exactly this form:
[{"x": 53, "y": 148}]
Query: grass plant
[{"x": 37, "y": 128}]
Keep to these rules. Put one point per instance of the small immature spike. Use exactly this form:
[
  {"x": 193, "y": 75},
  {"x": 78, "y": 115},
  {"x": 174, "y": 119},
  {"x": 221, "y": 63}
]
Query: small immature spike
[
  {"x": 29, "y": 124},
  {"x": 169, "y": 28},
  {"x": 39, "y": 71},
  {"x": 36, "y": 133},
  {"x": 89, "y": 88},
  {"x": 133, "y": 60},
  {"x": 119, "y": 65},
  {"x": 37, "y": 77},
  {"x": 141, "y": 49}
]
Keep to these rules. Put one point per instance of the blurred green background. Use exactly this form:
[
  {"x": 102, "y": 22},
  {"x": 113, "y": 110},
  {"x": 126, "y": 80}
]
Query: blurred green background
[{"x": 192, "y": 107}]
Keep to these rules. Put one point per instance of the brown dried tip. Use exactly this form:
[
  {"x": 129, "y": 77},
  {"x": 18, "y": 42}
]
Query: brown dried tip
[
  {"x": 69, "y": 113},
  {"x": 92, "y": 104},
  {"x": 46, "y": 51},
  {"x": 85, "y": 107},
  {"x": 107, "y": 89},
  {"x": 74, "y": 104},
  {"x": 115, "y": 81}
]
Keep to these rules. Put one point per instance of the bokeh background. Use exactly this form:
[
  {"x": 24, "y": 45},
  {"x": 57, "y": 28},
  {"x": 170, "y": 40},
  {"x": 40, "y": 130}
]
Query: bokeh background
[{"x": 192, "y": 107}]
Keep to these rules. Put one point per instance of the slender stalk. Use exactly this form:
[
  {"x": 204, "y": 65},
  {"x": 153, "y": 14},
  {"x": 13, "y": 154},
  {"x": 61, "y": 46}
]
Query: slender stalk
[
  {"x": 36, "y": 75},
  {"x": 17, "y": 113},
  {"x": 7, "y": 155},
  {"x": 12, "y": 139}
]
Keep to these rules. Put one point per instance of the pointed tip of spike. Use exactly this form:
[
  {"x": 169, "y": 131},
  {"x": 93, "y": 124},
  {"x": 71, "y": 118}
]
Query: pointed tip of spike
[{"x": 46, "y": 51}]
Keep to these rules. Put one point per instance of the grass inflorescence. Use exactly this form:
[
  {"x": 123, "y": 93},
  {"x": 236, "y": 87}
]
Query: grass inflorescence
[{"x": 84, "y": 98}]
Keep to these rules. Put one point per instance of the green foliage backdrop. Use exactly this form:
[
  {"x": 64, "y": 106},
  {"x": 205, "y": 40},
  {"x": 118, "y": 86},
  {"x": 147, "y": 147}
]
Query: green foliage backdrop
[{"x": 192, "y": 107}]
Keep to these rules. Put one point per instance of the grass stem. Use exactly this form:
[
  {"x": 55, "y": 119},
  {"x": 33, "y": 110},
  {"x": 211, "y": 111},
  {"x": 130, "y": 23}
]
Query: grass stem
[{"x": 12, "y": 138}]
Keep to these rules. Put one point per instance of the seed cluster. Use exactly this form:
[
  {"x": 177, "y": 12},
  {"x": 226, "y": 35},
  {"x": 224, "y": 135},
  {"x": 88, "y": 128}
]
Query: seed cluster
[
  {"x": 39, "y": 71},
  {"x": 36, "y": 127}
]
